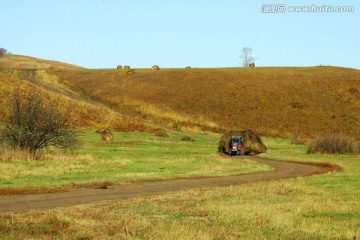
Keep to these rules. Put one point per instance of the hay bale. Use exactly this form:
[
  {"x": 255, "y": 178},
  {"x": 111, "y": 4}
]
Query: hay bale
[
  {"x": 119, "y": 67},
  {"x": 130, "y": 71},
  {"x": 106, "y": 134},
  {"x": 187, "y": 139},
  {"x": 155, "y": 68},
  {"x": 252, "y": 142},
  {"x": 251, "y": 65},
  {"x": 126, "y": 67},
  {"x": 160, "y": 133}
]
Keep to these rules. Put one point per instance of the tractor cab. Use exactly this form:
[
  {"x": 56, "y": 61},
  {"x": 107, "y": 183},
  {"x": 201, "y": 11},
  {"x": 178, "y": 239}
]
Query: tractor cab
[{"x": 236, "y": 146}]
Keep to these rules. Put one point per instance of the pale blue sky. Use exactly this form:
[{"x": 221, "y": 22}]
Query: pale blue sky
[{"x": 198, "y": 33}]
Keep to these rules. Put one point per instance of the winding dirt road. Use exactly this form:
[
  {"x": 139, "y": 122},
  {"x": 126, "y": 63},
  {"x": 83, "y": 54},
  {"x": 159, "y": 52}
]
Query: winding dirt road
[{"x": 82, "y": 196}]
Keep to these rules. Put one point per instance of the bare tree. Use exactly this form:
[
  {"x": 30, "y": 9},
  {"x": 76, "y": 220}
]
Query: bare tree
[
  {"x": 36, "y": 123},
  {"x": 246, "y": 56},
  {"x": 3, "y": 52}
]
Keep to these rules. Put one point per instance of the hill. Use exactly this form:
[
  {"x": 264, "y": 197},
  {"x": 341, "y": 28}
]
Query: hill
[
  {"x": 287, "y": 102},
  {"x": 290, "y": 102},
  {"x": 31, "y": 74},
  {"x": 12, "y": 61}
]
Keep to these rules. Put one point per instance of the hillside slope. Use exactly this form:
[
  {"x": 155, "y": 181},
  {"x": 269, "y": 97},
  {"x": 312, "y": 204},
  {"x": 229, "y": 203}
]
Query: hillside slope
[
  {"x": 289, "y": 102},
  {"x": 84, "y": 112},
  {"x": 13, "y": 61}
]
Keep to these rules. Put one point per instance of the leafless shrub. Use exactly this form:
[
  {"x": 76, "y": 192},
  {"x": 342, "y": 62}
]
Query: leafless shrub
[
  {"x": 332, "y": 144},
  {"x": 35, "y": 123}
]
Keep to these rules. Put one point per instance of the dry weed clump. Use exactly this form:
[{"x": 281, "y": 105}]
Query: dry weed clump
[
  {"x": 160, "y": 133},
  {"x": 10, "y": 155},
  {"x": 187, "y": 139},
  {"x": 333, "y": 144}
]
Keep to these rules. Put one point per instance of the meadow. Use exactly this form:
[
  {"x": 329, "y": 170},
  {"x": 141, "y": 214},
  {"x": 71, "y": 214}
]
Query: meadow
[
  {"x": 130, "y": 158},
  {"x": 316, "y": 207}
]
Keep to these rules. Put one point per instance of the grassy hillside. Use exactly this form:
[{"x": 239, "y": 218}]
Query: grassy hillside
[
  {"x": 287, "y": 102},
  {"x": 84, "y": 111},
  {"x": 12, "y": 61}
]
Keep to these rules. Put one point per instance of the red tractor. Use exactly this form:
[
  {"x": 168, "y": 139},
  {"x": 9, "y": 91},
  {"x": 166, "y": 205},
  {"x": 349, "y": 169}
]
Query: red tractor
[{"x": 236, "y": 146}]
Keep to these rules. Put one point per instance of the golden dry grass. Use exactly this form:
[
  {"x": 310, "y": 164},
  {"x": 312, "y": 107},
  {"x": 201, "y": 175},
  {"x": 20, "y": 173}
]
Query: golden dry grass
[
  {"x": 290, "y": 102},
  {"x": 13, "y": 61},
  {"x": 82, "y": 111}
]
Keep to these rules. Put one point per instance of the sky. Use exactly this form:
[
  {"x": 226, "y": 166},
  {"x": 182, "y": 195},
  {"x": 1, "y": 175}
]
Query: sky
[{"x": 180, "y": 33}]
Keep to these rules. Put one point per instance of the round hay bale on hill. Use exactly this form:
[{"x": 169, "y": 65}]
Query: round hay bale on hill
[
  {"x": 119, "y": 67},
  {"x": 130, "y": 71},
  {"x": 155, "y": 68},
  {"x": 252, "y": 142},
  {"x": 187, "y": 139},
  {"x": 126, "y": 67}
]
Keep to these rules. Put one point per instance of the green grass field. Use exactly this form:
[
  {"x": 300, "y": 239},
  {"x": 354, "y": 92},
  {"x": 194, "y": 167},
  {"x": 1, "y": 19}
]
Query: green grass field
[
  {"x": 317, "y": 207},
  {"x": 131, "y": 157}
]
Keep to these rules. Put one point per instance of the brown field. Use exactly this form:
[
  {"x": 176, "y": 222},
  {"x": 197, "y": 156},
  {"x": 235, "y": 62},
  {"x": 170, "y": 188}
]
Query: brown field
[{"x": 289, "y": 102}]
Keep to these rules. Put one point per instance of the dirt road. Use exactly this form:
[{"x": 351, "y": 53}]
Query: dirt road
[{"x": 90, "y": 195}]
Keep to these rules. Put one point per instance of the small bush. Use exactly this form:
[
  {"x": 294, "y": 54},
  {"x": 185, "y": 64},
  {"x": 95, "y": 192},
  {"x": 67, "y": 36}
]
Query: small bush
[
  {"x": 332, "y": 144},
  {"x": 36, "y": 123}
]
